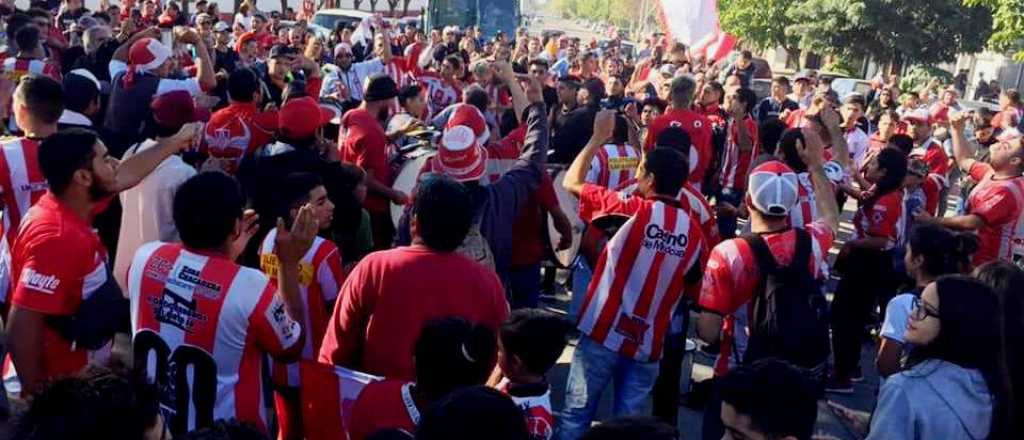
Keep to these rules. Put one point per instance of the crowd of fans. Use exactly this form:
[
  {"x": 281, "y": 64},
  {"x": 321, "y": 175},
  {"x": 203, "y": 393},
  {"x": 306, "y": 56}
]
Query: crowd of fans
[{"x": 222, "y": 190}]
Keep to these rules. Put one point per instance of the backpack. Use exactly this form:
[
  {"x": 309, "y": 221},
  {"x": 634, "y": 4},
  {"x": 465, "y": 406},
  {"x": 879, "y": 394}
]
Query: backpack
[{"x": 789, "y": 316}]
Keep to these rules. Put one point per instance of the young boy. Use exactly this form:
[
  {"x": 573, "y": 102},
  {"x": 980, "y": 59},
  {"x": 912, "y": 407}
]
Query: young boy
[
  {"x": 529, "y": 344},
  {"x": 320, "y": 279}
]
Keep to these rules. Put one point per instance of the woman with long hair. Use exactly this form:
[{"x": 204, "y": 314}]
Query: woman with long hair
[
  {"x": 932, "y": 251},
  {"x": 954, "y": 386},
  {"x": 1006, "y": 279},
  {"x": 865, "y": 263}
]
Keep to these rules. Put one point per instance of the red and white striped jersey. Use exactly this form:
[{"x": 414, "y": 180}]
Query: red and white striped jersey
[
  {"x": 806, "y": 210},
  {"x": 540, "y": 418},
  {"x": 440, "y": 93},
  {"x": 640, "y": 277},
  {"x": 201, "y": 326},
  {"x": 15, "y": 68},
  {"x": 736, "y": 164},
  {"x": 320, "y": 278},
  {"x": 1000, "y": 202},
  {"x": 399, "y": 69},
  {"x": 21, "y": 181},
  {"x": 731, "y": 278},
  {"x": 692, "y": 201},
  {"x": 614, "y": 165},
  {"x": 934, "y": 155}
]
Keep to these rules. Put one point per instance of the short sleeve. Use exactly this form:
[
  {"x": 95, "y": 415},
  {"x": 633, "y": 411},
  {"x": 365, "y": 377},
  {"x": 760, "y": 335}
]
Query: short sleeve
[
  {"x": 884, "y": 216},
  {"x": 896, "y": 314},
  {"x": 596, "y": 200},
  {"x": 52, "y": 277},
  {"x": 720, "y": 291},
  {"x": 274, "y": 330},
  {"x": 330, "y": 275},
  {"x": 999, "y": 207}
]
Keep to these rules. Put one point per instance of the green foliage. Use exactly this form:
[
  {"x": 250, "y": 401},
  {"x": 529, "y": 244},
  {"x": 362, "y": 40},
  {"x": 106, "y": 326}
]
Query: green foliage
[
  {"x": 918, "y": 76},
  {"x": 1007, "y": 26},
  {"x": 761, "y": 23},
  {"x": 917, "y": 31},
  {"x": 840, "y": 65}
]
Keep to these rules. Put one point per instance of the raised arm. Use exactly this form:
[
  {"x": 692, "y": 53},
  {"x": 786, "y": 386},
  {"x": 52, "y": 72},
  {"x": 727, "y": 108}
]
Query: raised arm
[
  {"x": 138, "y": 166},
  {"x": 963, "y": 151},
  {"x": 812, "y": 154},
  {"x": 508, "y": 76},
  {"x": 576, "y": 176}
]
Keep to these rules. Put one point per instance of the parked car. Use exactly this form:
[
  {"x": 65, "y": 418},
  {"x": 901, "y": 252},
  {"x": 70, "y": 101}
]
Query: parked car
[
  {"x": 321, "y": 32},
  {"x": 329, "y": 18},
  {"x": 845, "y": 86}
]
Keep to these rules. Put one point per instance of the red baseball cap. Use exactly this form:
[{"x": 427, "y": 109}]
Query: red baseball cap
[
  {"x": 300, "y": 118},
  {"x": 177, "y": 108}
]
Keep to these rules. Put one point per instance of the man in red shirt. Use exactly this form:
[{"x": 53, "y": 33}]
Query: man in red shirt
[
  {"x": 995, "y": 206},
  {"x": 639, "y": 280},
  {"x": 364, "y": 143},
  {"x": 58, "y": 261},
  {"x": 925, "y": 146},
  {"x": 238, "y": 130},
  {"x": 697, "y": 126},
  {"x": 201, "y": 324},
  {"x": 391, "y": 294},
  {"x": 732, "y": 277},
  {"x": 741, "y": 147},
  {"x": 443, "y": 88}
]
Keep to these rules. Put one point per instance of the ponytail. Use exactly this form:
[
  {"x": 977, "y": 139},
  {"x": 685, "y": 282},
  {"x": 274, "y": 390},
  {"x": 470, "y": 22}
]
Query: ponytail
[
  {"x": 452, "y": 353},
  {"x": 944, "y": 251}
]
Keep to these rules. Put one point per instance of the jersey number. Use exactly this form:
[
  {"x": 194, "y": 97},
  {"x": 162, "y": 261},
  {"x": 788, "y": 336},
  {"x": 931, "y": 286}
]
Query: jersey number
[{"x": 185, "y": 377}]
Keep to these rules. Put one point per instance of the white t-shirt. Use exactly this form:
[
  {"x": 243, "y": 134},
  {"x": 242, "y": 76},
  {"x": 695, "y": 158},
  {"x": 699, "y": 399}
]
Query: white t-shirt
[
  {"x": 897, "y": 314},
  {"x": 857, "y": 143},
  {"x": 148, "y": 209},
  {"x": 166, "y": 85}
]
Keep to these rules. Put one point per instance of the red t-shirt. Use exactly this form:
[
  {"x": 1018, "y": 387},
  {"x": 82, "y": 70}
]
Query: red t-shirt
[
  {"x": 57, "y": 261},
  {"x": 884, "y": 219},
  {"x": 699, "y": 129},
  {"x": 392, "y": 294},
  {"x": 934, "y": 155},
  {"x": 236, "y": 132},
  {"x": 999, "y": 203},
  {"x": 364, "y": 143},
  {"x": 383, "y": 405},
  {"x": 731, "y": 277}
]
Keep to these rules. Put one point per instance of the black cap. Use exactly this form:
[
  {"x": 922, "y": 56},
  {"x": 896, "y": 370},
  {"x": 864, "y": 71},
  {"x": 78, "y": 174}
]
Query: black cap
[
  {"x": 380, "y": 87},
  {"x": 281, "y": 50}
]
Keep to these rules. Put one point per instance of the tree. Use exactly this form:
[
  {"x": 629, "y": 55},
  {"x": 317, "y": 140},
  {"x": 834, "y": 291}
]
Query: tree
[
  {"x": 356, "y": 4},
  {"x": 392, "y": 6},
  {"x": 925, "y": 32},
  {"x": 405, "y": 7},
  {"x": 373, "y": 5},
  {"x": 761, "y": 23},
  {"x": 1007, "y": 26}
]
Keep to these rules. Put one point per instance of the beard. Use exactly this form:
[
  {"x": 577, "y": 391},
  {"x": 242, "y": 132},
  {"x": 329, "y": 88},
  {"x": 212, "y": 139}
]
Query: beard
[{"x": 98, "y": 192}]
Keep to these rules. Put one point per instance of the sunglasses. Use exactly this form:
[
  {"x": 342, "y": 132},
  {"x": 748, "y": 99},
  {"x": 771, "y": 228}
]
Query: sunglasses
[{"x": 921, "y": 310}]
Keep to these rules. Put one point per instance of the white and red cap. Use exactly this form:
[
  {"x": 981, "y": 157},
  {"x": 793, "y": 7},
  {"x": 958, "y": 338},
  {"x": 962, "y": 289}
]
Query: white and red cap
[
  {"x": 461, "y": 152},
  {"x": 773, "y": 188},
  {"x": 143, "y": 56},
  {"x": 148, "y": 54},
  {"x": 921, "y": 116}
]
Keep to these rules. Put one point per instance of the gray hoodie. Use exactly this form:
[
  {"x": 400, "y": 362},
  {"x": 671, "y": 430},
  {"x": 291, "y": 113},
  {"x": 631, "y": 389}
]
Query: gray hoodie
[{"x": 933, "y": 400}]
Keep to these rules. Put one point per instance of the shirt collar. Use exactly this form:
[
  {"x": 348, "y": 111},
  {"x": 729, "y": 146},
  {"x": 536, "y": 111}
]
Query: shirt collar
[{"x": 71, "y": 117}]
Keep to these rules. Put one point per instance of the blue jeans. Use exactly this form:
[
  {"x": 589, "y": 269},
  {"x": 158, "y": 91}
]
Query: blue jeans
[
  {"x": 727, "y": 224},
  {"x": 593, "y": 367},
  {"x": 525, "y": 286},
  {"x": 581, "y": 275}
]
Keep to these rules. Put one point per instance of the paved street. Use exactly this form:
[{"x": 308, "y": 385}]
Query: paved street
[{"x": 690, "y": 423}]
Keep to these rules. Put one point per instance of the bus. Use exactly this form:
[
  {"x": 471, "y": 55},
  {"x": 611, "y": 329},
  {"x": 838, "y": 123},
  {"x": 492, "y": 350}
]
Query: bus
[{"x": 491, "y": 15}]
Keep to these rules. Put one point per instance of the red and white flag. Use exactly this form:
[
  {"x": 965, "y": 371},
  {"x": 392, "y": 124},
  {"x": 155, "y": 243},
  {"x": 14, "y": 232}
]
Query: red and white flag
[
  {"x": 328, "y": 393},
  {"x": 695, "y": 24}
]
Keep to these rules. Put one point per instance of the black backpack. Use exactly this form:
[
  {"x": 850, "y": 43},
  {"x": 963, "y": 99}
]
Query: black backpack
[{"x": 789, "y": 319}]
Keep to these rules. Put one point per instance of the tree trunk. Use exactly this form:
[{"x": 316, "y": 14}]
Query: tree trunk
[
  {"x": 392, "y": 6},
  {"x": 373, "y": 5},
  {"x": 356, "y": 4},
  {"x": 184, "y": 8},
  {"x": 238, "y": 4},
  {"x": 284, "y": 6},
  {"x": 793, "y": 58},
  {"x": 405, "y": 7}
]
